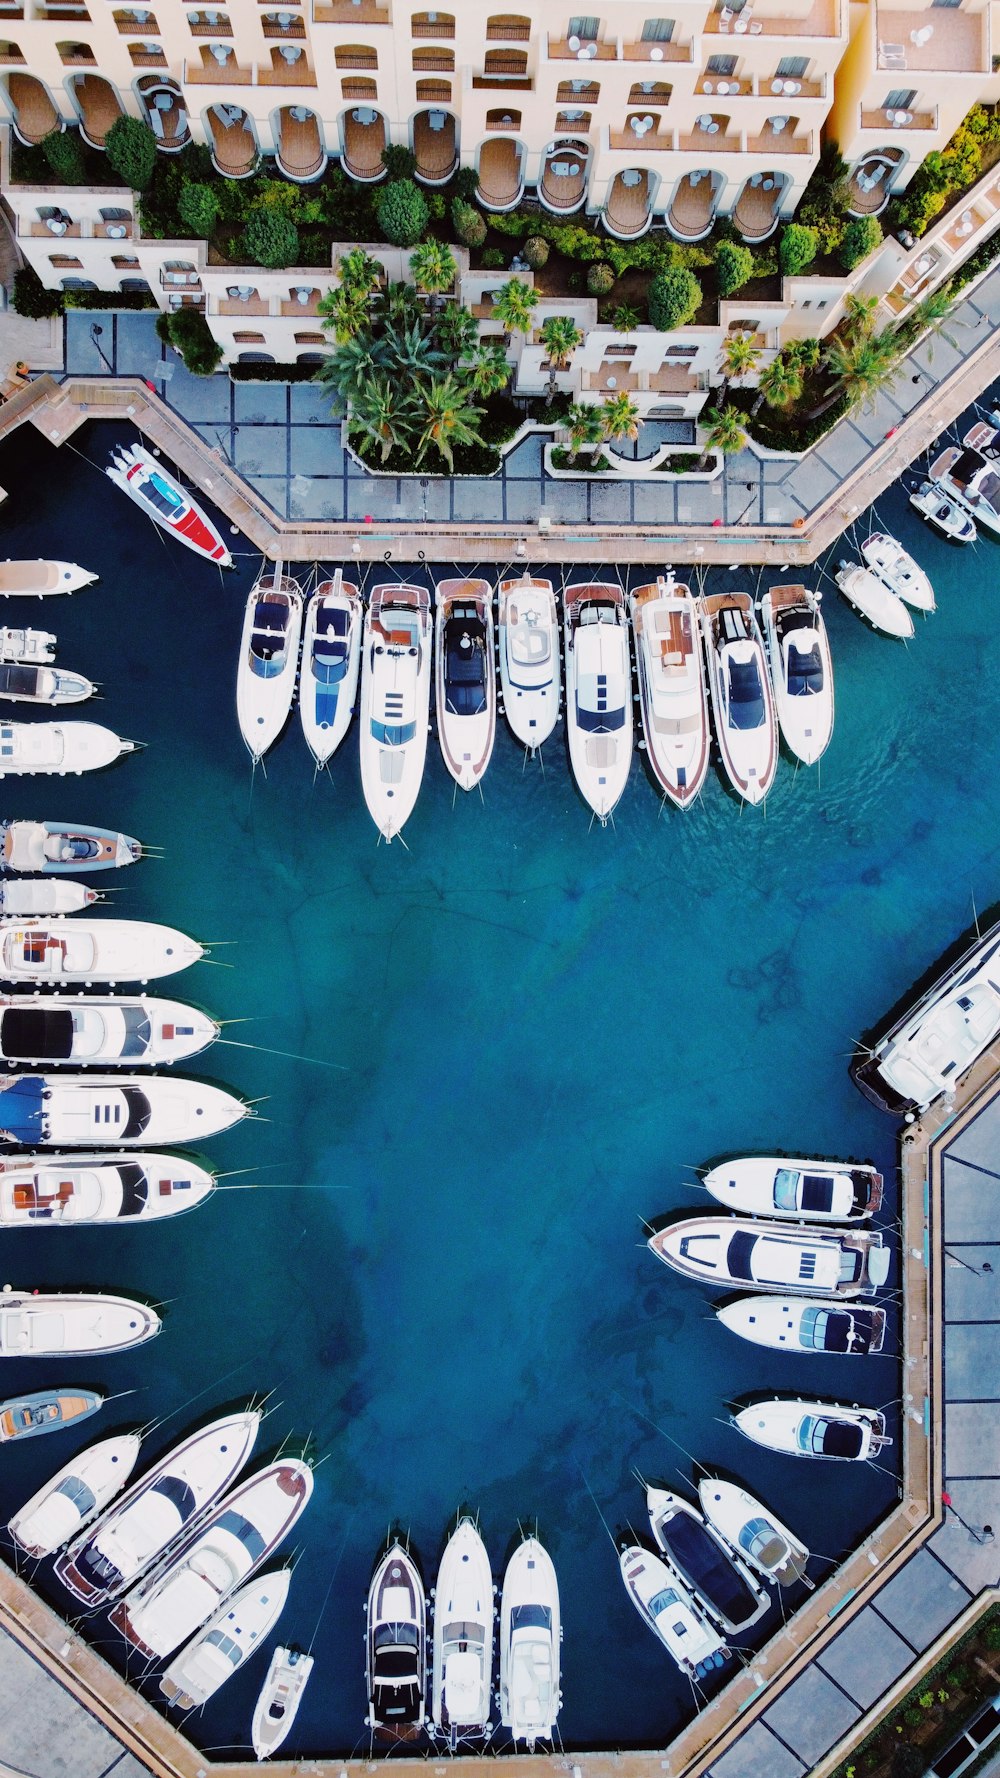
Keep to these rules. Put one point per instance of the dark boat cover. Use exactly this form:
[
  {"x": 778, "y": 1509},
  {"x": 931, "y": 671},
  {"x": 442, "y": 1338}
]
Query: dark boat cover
[
  {"x": 22, "y": 1110},
  {"x": 36, "y": 1033},
  {"x": 698, "y": 1558}
]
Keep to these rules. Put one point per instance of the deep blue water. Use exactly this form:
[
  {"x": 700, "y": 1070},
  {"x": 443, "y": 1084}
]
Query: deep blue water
[{"x": 538, "y": 1031}]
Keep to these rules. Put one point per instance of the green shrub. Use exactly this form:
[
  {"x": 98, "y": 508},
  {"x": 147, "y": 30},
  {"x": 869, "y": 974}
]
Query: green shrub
[
  {"x": 468, "y": 223},
  {"x": 957, "y": 1677},
  {"x": 131, "y": 149},
  {"x": 466, "y": 184},
  {"x": 399, "y": 162},
  {"x": 913, "y": 1716},
  {"x": 63, "y": 151},
  {"x": 917, "y": 210},
  {"x": 536, "y": 251},
  {"x": 674, "y": 297},
  {"x": 163, "y": 328},
  {"x": 733, "y": 265},
  {"x": 198, "y": 208},
  {"x": 798, "y": 249},
  {"x": 402, "y": 212},
  {"x": 31, "y": 298},
  {"x": 271, "y": 239},
  {"x": 494, "y": 259},
  {"x": 191, "y": 334},
  {"x": 252, "y": 372},
  {"x": 861, "y": 237},
  {"x": 991, "y": 1635},
  {"x": 437, "y": 205},
  {"x": 600, "y": 279}
]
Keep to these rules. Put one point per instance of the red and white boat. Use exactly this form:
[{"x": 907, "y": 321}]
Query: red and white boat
[{"x": 143, "y": 478}]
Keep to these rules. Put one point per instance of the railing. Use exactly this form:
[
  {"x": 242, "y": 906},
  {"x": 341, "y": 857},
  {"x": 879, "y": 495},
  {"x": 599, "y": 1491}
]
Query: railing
[
  {"x": 657, "y": 52},
  {"x": 343, "y": 12},
  {"x": 217, "y": 74},
  {"x": 882, "y": 120}
]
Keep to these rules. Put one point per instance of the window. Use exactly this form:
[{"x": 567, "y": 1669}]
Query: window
[
  {"x": 355, "y": 55},
  {"x": 504, "y": 120},
  {"x": 123, "y": 262},
  {"x": 509, "y": 27},
  {"x": 64, "y": 262},
  {"x": 431, "y": 91},
  {"x": 248, "y": 339},
  {"x": 657, "y": 30},
  {"x": 721, "y": 65},
  {"x": 429, "y": 60},
  {"x": 650, "y": 92},
  {"x": 433, "y": 24},
  {"x": 792, "y": 67},
  {"x": 500, "y": 62},
  {"x": 572, "y": 120},
  {"x": 584, "y": 27},
  {"x": 681, "y": 352},
  {"x": 900, "y": 99},
  {"x": 586, "y": 90}
]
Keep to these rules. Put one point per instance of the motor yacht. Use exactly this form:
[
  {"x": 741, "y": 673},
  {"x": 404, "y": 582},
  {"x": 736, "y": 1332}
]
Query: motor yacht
[
  {"x": 26, "y": 1416},
  {"x": 39, "y": 1324},
  {"x": 883, "y": 608},
  {"x": 331, "y": 663},
  {"x": 269, "y": 659},
  {"x": 465, "y": 679},
  {"x": 58, "y": 749},
  {"x": 781, "y": 1185},
  {"x": 894, "y": 565},
  {"x": 45, "y": 896},
  {"x": 462, "y": 1667},
  {"x": 43, "y": 685},
  {"x": 742, "y": 701},
  {"x": 814, "y": 1429},
  {"x": 971, "y": 480},
  {"x": 721, "y": 1582},
  {"x": 129, "y": 1535},
  {"x": 86, "y": 1032},
  {"x": 946, "y": 516},
  {"x": 199, "y": 1572},
  {"x": 753, "y": 1533},
  {"x": 73, "y": 1191},
  {"x": 34, "y": 647},
  {"x": 239, "y": 1627},
  {"x": 672, "y": 695},
  {"x": 727, "y": 1250},
  {"x": 69, "y": 1111},
  {"x": 396, "y": 1645},
  {"x": 805, "y": 1324},
  {"x": 665, "y": 1604},
  {"x": 57, "y": 847},
  {"x": 798, "y": 652},
  {"x": 88, "y": 951},
  {"x": 39, "y": 580},
  {"x": 528, "y": 626},
  {"x": 530, "y": 1643},
  {"x": 73, "y": 1497},
  {"x": 279, "y": 1700},
  {"x": 395, "y": 702},
  {"x": 598, "y": 693},
  {"x": 143, "y": 478},
  {"x": 932, "y": 1046}
]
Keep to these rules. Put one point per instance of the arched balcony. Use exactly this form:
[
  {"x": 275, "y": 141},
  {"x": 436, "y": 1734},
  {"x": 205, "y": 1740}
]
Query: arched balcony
[
  {"x": 756, "y": 212},
  {"x": 501, "y": 173},
  {"x": 628, "y": 209},
  {"x": 299, "y": 147},
  {"x": 693, "y": 205},
  {"x": 870, "y": 184},
  {"x": 98, "y": 104},
  {"x": 166, "y": 112},
  {"x": 435, "y": 144},
  {"x": 563, "y": 185},
  {"x": 365, "y": 137},
  {"x": 235, "y": 150},
  {"x": 34, "y": 115}
]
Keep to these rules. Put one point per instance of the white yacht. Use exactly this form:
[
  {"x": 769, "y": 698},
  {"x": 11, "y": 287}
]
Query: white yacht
[
  {"x": 395, "y": 702},
  {"x": 73, "y": 1191},
  {"x": 88, "y": 951},
  {"x": 200, "y": 1571},
  {"x": 70, "y": 1111},
  {"x": 465, "y": 679},
  {"x": 928, "y": 1051},
  {"x": 530, "y": 1641},
  {"x": 894, "y": 565},
  {"x": 396, "y": 1647},
  {"x": 128, "y": 1536},
  {"x": 61, "y": 846},
  {"x": 814, "y": 1429},
  {"x": 279, "y": 1700},
  {"x": 780, "y": 1185},
  {"x": 529, "y": 659},
  {"x": 43, "y": 685},
  {"x": 942, "y": 514},
  {"x": 598, "y": 693},
  {"x": 141, "y": 475},
  {"x": 742, "y": 700},
  {"x": 673, "y": 699},
  {"x": 727, "y": 1591},
  {"x": 331, "y": 664},
  {"x": 269, "y": 659},
  {"x": 45, "y": 896},
  {"x": 970, "y": 478},
  {"x": 798, "y": 650},
  {"x": 231, "y": 1636},
  {"x": 664, "y": 1603},
  {"x": 73, "y": 1497},
  {"x": 34, "y": 647},
  {"x": 40, "y": 1324},
  {"x": 463, "y": 1639},
  {"x": 727, "y": 1250},
  {"x": 883, "y": 608},
  {"x": 753, "y": 1532},
  {"x": 29, "y": 1416},
  {"x": 58, "y": 749},
  {"x": 805, "y": 1324},
  {"x": 84, "y": 1032},
  {"x": 38, "y": 580}
]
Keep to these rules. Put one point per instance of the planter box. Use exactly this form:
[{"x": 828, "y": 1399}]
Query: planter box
[{"x": 624, "y": 469}]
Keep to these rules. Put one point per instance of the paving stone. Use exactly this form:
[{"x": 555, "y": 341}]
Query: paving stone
[
  {"x": 72, "y": 1745},
  {"x": 699, "y": 502},
  {"x": 655, "y": 503},
  {"x": 610, "y": 504},
  {"x": 971, "y": 1200},
  {"x": 811, "y": 1715},
  {"x": 310, "y": 404},
  {"x": 757, "y": 1754},
  {"x": 82, "y": 355},
  {"x": 197, "y": 398},
  {"x": 261, "y": 449},
  {"x": 260, "y": 401},
  {"x": 524, "y": 501},
  {"x": 315, "y": 450},
  {"x": 371, "y": 496},
  {"x": 526, "y": 458},
  {"x": 479, "y": 500},
  {"x": 972, "y": 1440},
  {"x": 843, "y": 449},
  {"x": 977, "y": 1564},
  {"x": 325, "y": 500},
  {"x": 566, "y": 502},
  {"x": 970, "y": 1359},
  {"x": 137, "y": 342},
  {"x": 866, "y": 1658},
  {"x": 979, "y": 1142},
  {"x": 921, "y": 1599},
  {"x": 972, "y": 1296}
]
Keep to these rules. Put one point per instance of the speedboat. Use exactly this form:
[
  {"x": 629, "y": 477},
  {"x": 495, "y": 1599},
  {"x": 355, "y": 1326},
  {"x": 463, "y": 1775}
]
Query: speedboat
[
  {"x": 814, "y": 1429},
  {"x": 672, "y": 696},
  {"x": 26, "y": 1416},
  {"x": 894, "y": 565},
  {"x": 742, "y": 701},
  {"x": 530, "y": 1638},
  {"x": 128, "y": 1536},
  {"x": 465, "y": 682},
  {"x": 671, "y": 1612},
  {"x": 753, "y": 1532},
  {"x": 463, "y": 1639},
  {"x": 58, "y": 749},
  {"x": 528, "y": 628},
  {"x": 773, "y": 1256},
  {"x": 229, "y": 1638},
  {"x": 143, "y": 478},
  {"x": 66, "y": 1111},
  {"x": 943, "y": 514},
  {"x": 396, "y": 1647},
  {"x": 85, "y": 1032},
  {"x": 58, "y": 846},
  {"x": 73, "y": 1191},
  {"x": 37, "y": 580},
  {"x": 279, "y": 1700},
  {"x": 598, "y": 693},
  {"x": 395, "y": 702},
  {"x": 805, "y": 1324},
  {"x": 36, "y": 647},
  {"x": 74, "y": 1496},
  {"x": 89, "y": 951},
  {"x": 971, "y": 480},
  {"x": 43, "y": 685},
  {"x": 931, "y": 1047},
  {"x": 723, "y": 1584},
  {"x": 798, "y": 651},
  {"x": 883, "y": 608},
  {"x": 48, "y": 895},
  {"x": 778, "y": 1185},
  {"x": 331, "y": 662},
  {"x": 198, "y": 1573},
  {"x": 269, "y": 659},
  {"x": 43, "y": 1324}
]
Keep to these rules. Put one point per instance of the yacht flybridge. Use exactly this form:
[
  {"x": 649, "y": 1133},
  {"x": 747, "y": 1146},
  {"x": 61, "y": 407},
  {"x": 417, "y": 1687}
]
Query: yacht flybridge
[
  {"x": 87, "y": 1032},
  {"x": 269, "y": 659},
  {"x": 396, "y": 1647},
  {"x": 671, "y": 1612},
  {"x": 58, "y": 749},
  {"x": 805, "y": 1324},
  {"x": 463, "y": 1639},
  {"x": 38, "y": 580},
  {"x": 821, "y": 1429},
  {"x": 37, "y": 1325},
  {"x": 59, "y": 847},
  {"x": 742, "y": 700},
  {"x": 726, "y": 1250},
  {"x": 69, "y": 1111},
  {"x": 34, "y": 647},
  {"x": 598, "y": 693},
  {"x": 779, "y": 1185},
  {"x": 42, "y": 685},
  {"x": 529, "y": 659},
  {"x": 465, "y": 682},
  {"x": 74, "y": 1496},
  {"x": 530, "y": 1639},
  {"x": 331, "y": 662},
  {"x": 674, "y": 703},
  {"x": 753, "y": 1533},
  {"x": 946, "y": 516},
  {"x": 798, "y": 651},
  {"x": 87, "y": 951},
  {"x": 395, "y": 702},
  {"x": 143, "y": 478},
  {"x": 72, "y": 1191}
]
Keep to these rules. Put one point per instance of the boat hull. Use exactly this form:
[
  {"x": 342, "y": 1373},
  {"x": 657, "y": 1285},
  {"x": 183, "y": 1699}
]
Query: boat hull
[
  {"x": 132, "y": 469},
  {"x": 396, "y": 1645},
  {"x": 41, "y": 579},
  {"x": 196, "y": 1674},
  {"x": 870, "y": 596},
  {"x": 45, "y": 1326},
  {"x": 279, "y": 1700},
  {"x": 805, "y": 1324},
  {"x": 796, "y": 1259},
  {"x": 58, "y": 749},
  {"x": 598, "y": 721},
  {"x": 530, "y": 1638},
  {"x": 88, "y": 951},
  {"x": 28, "y": 1416},
  {"x": 465, "y": 688},
  {"x": 45, "y": 896},
  {"x": 720, "y": 1581},
  {"x": 680, "y": 1625},
  {"x": 463, "y": 1668},
  {"x": 70, "y": 1191},
  {"x": 529, "y": 659},
  {"x": 673, "y": 698},
  {"x": 46, "y": 1522},
  {"x": 790, "y": 1188},
  {"x": 395, "y": 703},
  {"x": 816, "y": 1430},
  {"x": 749, "y": 754},
  {"x": 64, "y": 1111},
  {"x": 333, "y": 625},
  {"x": 60, "y": 849},
  {"x": 805, "y": 717},
  {"x": 83, "y": 1031},
  {"x": 887, "y": 559},
  {"x": 753, "y": 1532},
  {"x": 269, "y": 661}
]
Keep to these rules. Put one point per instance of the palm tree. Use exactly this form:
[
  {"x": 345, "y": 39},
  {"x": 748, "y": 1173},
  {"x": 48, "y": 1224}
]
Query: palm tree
[
  {"x": 434, "y": 269},
  {"x": 804, "y": 354},
  {"x": 620, "y": 417},
  {"x": 514, "y": 304},
  {"x": 860, "y": 314},
  {"x": 346, "y": 311},
  {"x": 585, "y": 427},
  {"x": 457, "y": 330},
  {"x": 725, "y": 433},
  {"x": 780, "y": 383},
  {"x": 380, "y": 410},
  {"x": 928, "y": 316},
  {"x": 487, "y": 373},
  {"x": 411, "y": 352},
  {"x": 400, "y": 306},
  {"x": 347, "y": 369},
  {"x": 445, "y": 418},
  {"x": 740, "y": 356},
  {"x": 625, "y": 318},
  {"x": 859, "y": 369},
  {"x": 560, "y": 336},
  {"x": 359, "y": 272}
]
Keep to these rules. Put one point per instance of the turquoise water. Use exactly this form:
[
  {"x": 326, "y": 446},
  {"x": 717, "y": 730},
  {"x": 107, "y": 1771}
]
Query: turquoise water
[{"x": 537, "y": 1031}]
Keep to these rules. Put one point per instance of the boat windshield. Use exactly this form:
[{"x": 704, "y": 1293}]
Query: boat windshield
[
  {"x": 759, "y": 1538},
  {"x": 393, "y": 734},
  {"x": 81, "y": 1496},
  {"x": 805, "y": 671},
  {"x": 663, "y": 1601},
  {"x": 134, "y": 1184},
  {"x": 268, "y": 639},
  {"x": 245, "y": 1533},
  {"x": 740, "y": 1255},
  {"x": 160, "y": 494},
  {"x": 746, "y": 695},
  {"x": 786, "y": 1189},
  {"x": 525, "y": 1617},
  {"x": 230, "y": 1650},
  {"x": 828, "y": 1438}
]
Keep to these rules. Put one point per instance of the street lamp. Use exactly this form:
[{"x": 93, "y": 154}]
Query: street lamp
[{"x": 95, "y": 334}]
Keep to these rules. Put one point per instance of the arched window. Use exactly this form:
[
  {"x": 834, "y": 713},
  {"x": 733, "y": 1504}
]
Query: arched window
[{"x": 508, "y": 27}]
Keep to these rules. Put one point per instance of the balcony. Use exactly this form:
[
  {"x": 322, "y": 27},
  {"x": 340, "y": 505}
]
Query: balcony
[
  {"x": 791, "y": 89},
  {"x": 870, "y": 184},
  {"x": 571, "y": 49},
  {"x": 166, "y": 114},
  {"x": 501, "y": 174},
  {"x": 97, "y": 103},
  {"x": 692, "y": 210},
  {"x": 670, "y": 379},
  {"x": 345, "y": 12},
  {"x": 940, "y": 40},
  {"x": 563, "y": 183},
  {"x": 357, "y": 56},
  {"x": 710, "y": 85},
  {"x": 649, "y": 92},
  {"x": 706, "y": 140},
  {"x": 432, "y": 92},
  {"x": 10, "y": 55},
  {"x": 211, "y": 72},
  {"x": 897, "y": 122},
  {"x": 433, "y": 61},
  {"x": 130, "y": 26},
  {"x": 35, "y": 116},
  {"x": 201, "y": 28},
  {"x": 656, "y": 52},
  {"x": 646, "y": 141},
  {"x": 756, "y": 211},
  {"x": 289, "y": 67},
  {"x": 253, "y": 304},
  {"x": 234, "y": 141},
  {"x": 76, "y": 55},
  {"x": 627, "y": 212},
  {"x": 364, "y": 140},
  {"x": 295, "y": 28},
  {"x": 771, "y": 142},
  {"x": 579, "y": 92},
  {"x": 146, "y": 55},
  {"x": 435, "y": 146},
  {"x": 300, "y": 152},
  {"x": 822, "y": 21},
  {"x": 508, "y": 27},
  {"x": 612, "y": 377},
  {"x": 57, "y": 226},
  {"x": 305, "y": 303},
  {"x": 439, "y": 24}
]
